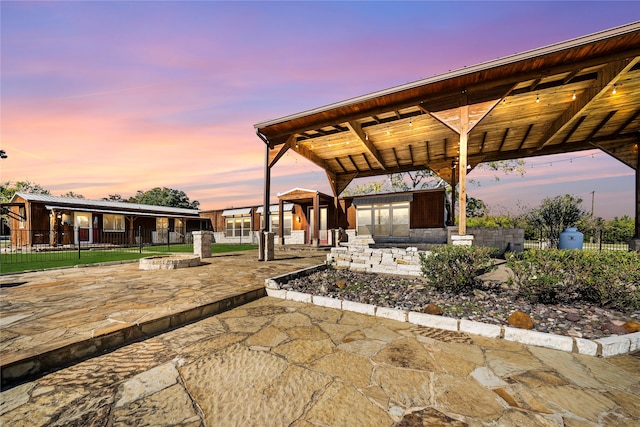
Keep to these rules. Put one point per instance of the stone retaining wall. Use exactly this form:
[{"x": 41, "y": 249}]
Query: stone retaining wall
[
  {"x": 356, "y": 255},
  {"x": 504, "y": 239}
]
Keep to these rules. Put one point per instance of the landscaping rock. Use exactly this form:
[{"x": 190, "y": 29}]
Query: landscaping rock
[{"x": 520, "y": 320}]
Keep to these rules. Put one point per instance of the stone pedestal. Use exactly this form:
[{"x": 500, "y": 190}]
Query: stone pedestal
[
  {"x": 466, "y": 240},
  {"x": 634, "y": 244},
  {"x": 269, "y": 247},
  {"x": 202, "y": 244}
]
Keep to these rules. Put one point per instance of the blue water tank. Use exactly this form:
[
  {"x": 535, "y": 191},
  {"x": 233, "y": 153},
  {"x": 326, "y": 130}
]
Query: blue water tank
[{"x": 571, "y": 238}]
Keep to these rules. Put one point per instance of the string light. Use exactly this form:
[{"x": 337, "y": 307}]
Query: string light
[
  {"x": 411, "y": 122},
  {"x": 366, "y": 136},
  {"x": 615, "y": 90},
  {"x": 574, "y": 95},
  {"x": 537, "y": 99},
  {"x": 570, "y": 160}
]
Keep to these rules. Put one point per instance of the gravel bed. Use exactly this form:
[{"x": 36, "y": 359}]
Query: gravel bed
[{"x": 492, "y": 303}]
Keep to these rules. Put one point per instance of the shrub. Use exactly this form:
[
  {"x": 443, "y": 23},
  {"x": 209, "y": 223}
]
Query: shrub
[
  {"x": 456, "y": 268},
  {"x": 608, "y": 279}
]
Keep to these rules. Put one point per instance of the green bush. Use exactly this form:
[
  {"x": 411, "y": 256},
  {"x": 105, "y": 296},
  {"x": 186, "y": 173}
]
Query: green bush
[
  {"x": 609, "y": 279},
  {"x": 456, "y": 268}
]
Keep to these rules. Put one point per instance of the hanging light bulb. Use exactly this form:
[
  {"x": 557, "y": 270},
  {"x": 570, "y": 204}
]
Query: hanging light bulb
[
  {"x": 537, "y": 99},
  {"x": 411, "y": 122},
  {"x": 574, "y": 95},
  {"x": 615, "y": 90},
  {"x": 504, "y": 101},
  {"x": 388, "y": 131},
  {"x": 366, "y": 136}
]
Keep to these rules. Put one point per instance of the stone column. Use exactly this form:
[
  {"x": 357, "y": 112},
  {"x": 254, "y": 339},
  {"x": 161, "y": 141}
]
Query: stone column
[
  {"x": 269, "y": 251},
  {"x": 202, "y": 244}
]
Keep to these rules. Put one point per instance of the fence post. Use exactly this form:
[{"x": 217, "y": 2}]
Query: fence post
[
  {"x": 168, "y": 239},
  {"x": 78, "y": 243},
  {"x": 600, "y": 243},
  {"x": 140, "y": 237}
]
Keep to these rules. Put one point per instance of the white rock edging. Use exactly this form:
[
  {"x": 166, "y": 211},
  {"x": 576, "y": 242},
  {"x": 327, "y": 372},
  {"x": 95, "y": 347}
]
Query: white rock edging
[{"x": 604, "y": 347}]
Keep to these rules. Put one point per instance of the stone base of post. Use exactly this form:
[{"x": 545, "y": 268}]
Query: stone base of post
[
  {"x": 269, "y": 246},
  {"x": 466, "y": 240},
  {"x": 202, "y": 244}
]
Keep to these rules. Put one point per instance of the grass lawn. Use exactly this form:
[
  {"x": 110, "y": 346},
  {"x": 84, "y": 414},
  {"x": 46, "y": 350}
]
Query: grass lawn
[{"x": 14, "y": 263}]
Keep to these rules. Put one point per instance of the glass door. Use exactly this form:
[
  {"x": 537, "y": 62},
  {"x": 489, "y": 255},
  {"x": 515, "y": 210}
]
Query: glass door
[{"x": 323, "y": 234}]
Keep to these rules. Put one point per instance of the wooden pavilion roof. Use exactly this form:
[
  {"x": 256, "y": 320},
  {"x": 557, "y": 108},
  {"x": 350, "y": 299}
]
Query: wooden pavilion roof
[{"x": 571, "y": 96}]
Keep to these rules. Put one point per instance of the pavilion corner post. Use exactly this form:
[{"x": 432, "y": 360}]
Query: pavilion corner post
[
  {"x": 462, "y": 171},
  {"x": 267, "y": 190}
]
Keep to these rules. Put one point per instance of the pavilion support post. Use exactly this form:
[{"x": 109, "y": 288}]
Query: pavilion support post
[
  {"x": 315, "y": 239},
  {"x": 462, "y": 239},
  {"x": 634, "y": 244},
  {"x": 452, "y": 211},
  {"x": 281, "y": 221},
  {"x": 462, "y": 171},
  {"x": 267, "y": 190}
]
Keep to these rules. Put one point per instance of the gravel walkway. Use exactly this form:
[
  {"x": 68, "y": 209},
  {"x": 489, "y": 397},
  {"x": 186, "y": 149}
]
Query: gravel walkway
[{"x": 492, "y": 304}]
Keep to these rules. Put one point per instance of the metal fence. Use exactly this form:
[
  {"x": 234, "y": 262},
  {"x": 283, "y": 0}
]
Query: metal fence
[
  {"x": 598, "y": 240},
  {"x": 28, "y": 246}
]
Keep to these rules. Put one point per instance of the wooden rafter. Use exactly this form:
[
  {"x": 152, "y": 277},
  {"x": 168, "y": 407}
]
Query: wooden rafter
[
  {"x": 356, "y": 129},
  {"x": 607, "y": 76}
]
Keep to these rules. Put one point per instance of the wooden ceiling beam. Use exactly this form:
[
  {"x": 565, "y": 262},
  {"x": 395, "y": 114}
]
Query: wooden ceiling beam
[
  {"x": 603, "y": 122},
  {"x": 367, "y": 161},
  {"x": 356, "y": 129},
  {"x": 627, "y": 122},
  {"x": 411, "y": 154},
  {"x": 340, "y": 163},
  {"x": 574, "y": 128},
  {"x": 395, "y": 156},
  {"x": 353, "y": 162},
  {"x": 311, "y": 156},
  {"x": 484, "y": 140},
  {"x": 526, "y": 135},
  {"x": 504, "y": 139},
  {"x": 607, "y": 76}
]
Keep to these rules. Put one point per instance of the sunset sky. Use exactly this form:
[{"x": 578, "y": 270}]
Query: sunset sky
[{"x": 112, "y": 97}]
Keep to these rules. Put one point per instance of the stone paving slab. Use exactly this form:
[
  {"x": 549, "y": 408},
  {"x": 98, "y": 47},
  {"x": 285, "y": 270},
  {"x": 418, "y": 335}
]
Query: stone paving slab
[
  {"x": 274, "y": 362},
  {"x": 52, "y": 318}
]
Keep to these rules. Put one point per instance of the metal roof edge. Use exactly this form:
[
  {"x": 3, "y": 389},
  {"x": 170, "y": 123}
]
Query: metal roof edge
[{"x": 483, "y": 66}]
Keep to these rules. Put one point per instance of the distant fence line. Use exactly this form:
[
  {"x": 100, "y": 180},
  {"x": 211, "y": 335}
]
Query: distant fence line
[
  {"x": 25, "y": 245},
  {"x": 601, "y": 240}
]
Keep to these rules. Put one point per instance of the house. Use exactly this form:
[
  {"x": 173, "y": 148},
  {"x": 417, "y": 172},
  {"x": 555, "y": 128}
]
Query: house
[
  {"x": 37, "y": 219},
  {"x": 417, "y": 216}
]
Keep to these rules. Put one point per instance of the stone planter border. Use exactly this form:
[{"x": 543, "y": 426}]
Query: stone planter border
[{"x": 602, "y": 347}]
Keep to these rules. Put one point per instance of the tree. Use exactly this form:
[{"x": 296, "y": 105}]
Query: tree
[
  {"x": 72, "y": 195},
  {"x": 164, "y": 197},
  {"x": 555, "y": 214},
  {"x": 9, "y": 188},
  {"x": 114, "y": 198},
  {"x": 476, "y": 208}
]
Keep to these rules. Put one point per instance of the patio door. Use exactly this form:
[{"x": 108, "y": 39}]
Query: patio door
[
  {"x": 323, "y": 234},
  {"x": 82, "y": 227}
]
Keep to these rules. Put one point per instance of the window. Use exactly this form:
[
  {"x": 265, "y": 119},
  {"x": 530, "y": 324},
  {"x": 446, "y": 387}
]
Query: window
[
  {"x": 274, "y": 219},
  {"x": 113, "y": 223},
  {"x": 162, "y": 228},
  {"x": 23, "y": 215},
  {"x": 237, "y": 226},
  {"x": 391, "y": 219}
]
